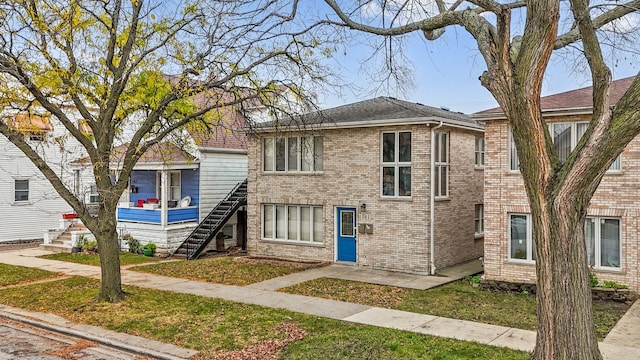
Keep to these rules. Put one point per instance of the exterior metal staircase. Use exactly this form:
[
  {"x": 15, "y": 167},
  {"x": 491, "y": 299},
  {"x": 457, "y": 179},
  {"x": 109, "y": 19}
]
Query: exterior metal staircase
[{"x": 213, "y": 223}]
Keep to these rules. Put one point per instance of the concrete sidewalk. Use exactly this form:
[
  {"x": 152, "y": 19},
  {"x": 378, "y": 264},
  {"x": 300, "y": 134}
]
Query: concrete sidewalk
[{"x": 625, "y": 344}]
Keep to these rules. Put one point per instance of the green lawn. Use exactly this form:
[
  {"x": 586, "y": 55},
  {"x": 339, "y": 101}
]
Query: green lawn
[
  {"x": 212, "y": 325},
  {"x": 228, "y": 270},
  {"x": 12, "y": 275},
  {"x": 458, "y": 300},
  {"x": 126, "y": 258}
]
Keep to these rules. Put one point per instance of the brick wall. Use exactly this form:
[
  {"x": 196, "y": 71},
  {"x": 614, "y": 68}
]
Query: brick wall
[
  {"x": 351, "y": 177},
  {"x": 617, "y": 196}
]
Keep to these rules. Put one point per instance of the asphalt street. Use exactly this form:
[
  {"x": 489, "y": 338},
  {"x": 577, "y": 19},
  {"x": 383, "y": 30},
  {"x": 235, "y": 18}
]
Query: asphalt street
[{"x": 20, "y": 341}]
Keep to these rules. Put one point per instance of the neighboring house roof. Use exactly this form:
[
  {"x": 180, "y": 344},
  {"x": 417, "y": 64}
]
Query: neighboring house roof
[
  {"x": 579, "y": 99},
  {"x": 221, "y": 130},
  {"x": 165, "y": 154},
  {"x": 380, "y": 111},
  {"x": 30, "y": 123}
]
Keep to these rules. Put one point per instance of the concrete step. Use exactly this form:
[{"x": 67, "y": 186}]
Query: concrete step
[{"x": 56, "y": 248}]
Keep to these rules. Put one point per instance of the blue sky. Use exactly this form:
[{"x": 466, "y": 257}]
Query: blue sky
[{"x": 445, "y": 73}]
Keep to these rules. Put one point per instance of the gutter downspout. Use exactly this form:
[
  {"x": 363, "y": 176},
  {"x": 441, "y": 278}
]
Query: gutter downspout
[{"x": 432, "y": 205}]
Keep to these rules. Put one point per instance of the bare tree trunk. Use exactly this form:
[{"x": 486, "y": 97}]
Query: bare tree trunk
[
  {"x": 565, "y": 323},
  {"x": 108, "y": 247}
]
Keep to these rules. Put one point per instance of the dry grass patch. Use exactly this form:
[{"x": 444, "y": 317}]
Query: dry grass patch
[{"x": 228, "y": 270}]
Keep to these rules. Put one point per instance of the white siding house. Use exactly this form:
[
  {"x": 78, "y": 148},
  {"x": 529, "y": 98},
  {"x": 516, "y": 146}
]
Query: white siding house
[{"x": 29, "y": 205}]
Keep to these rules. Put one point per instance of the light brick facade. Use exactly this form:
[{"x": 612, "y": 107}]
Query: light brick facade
[
  {"x": 351, "y": 177},
  {"x": 618, "y": 196}
]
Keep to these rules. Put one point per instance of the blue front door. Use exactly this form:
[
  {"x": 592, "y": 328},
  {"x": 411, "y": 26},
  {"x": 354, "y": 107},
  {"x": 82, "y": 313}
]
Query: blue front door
[{"x": 346, "y": 230}]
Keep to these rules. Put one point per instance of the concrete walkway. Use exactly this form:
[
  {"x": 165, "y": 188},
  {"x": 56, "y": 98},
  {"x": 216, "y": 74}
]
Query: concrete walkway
[{"x": 621, "y": 344}]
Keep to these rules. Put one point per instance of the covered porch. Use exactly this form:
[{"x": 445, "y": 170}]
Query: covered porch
[{"x": 161, "y": 196}]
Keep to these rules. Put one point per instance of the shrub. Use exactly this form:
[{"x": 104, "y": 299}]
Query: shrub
[
  {"x": 133, "y": 243},
  {"x": 90, "y": 245},
  {"x": 613, "y": 285},
  {"x": 150, "y": 246}
]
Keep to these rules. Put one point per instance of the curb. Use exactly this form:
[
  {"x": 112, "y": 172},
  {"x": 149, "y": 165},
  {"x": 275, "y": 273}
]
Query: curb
[{"x": 98, "y": 335}]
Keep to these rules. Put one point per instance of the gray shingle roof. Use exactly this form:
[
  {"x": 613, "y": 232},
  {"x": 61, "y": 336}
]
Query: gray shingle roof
[{"x": 379, "y": 111}]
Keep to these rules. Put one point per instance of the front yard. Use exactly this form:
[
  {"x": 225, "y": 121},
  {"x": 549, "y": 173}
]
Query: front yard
[
  {"x": 228, "y": 270},
  {"x": 217, "y": 328},
  {"x": 458, "y": 300}
]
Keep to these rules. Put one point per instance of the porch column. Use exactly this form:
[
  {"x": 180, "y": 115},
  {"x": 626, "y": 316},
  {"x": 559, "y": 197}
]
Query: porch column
[{"x": 164, "y": 203}]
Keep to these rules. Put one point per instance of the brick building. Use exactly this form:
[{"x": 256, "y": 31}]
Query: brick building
[
  {"x": 612, "y": 226},
  {"x": 354, "y": 184}
]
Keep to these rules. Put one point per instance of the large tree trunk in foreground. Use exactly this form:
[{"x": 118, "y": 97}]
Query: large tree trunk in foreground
[
  {"x": 565, "y": 323},
  {"x": 109, "y": 249}
]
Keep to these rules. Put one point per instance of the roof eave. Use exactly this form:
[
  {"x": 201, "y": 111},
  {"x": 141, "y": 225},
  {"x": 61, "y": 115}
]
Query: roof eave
[
  {"x": 545, "y": 113},
  {"x": 374, "y": 123}
]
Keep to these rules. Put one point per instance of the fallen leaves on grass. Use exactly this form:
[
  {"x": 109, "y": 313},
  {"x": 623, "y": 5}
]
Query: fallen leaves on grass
[
  {"x": 265, "y": 350},
  {"x": 228, "y": 270}
]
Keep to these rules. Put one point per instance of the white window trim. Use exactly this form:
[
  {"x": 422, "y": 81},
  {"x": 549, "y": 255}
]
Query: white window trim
[
  {"x": 169, "y": 185},
  {"x": 299, "y": 155},
  {"x": 438, "y": 164},
  {"x": 311, "y": 241},
  {"x": 598, "y": 243},
  {"x": 529, "y": 239},
  {"x": 92, "y": 193},
  {"x": 479, "y": 152},
  {"x": 396, "y": 164},
  {"x": 22, "y": 202},
  {"x": 574, "y": 142},
  {"x": 479, "y": 220}
]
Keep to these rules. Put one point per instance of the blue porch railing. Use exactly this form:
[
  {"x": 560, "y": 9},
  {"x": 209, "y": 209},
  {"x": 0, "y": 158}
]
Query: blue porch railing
[{"x": 154, "y": 216}]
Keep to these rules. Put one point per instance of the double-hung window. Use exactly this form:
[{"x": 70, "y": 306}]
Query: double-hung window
[
  {"x": 301, "y": 223},
  {"x": 521, "y": 244},
  {"x": 441, "y": 164},
  {"x": 21, "y": 190},
  {"x": 602, "y": 236},
  {"x": 479, "y": 151},
  {"x": 479, "y": 219},
  {"x": 396, "y": 164},
  {"x": 94, "y": 196},
  {"x": 174, "y": 185},
  {"x": 293, "y": 154},
  {"x": 565, "y": 136}
]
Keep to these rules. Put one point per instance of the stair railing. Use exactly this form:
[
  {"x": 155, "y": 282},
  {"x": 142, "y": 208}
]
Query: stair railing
[{"x": 192, "y": 248}]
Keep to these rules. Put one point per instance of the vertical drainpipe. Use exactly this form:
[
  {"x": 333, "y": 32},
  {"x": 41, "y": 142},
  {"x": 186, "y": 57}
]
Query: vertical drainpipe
[{"x": 432, "y": 203}]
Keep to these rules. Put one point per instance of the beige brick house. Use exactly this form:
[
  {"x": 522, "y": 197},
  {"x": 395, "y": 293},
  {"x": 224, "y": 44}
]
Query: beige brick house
[
  {"x": 354, "y": 184},
  {"x": 612, "y": 225}
]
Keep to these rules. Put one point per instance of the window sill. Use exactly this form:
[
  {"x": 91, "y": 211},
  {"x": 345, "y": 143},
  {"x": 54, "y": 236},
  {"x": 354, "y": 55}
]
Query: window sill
[
  {"x": 478, "y": 167},
  {"x": 441, "y": 198},
  {"x": 521, "y": 262},
  {"x": 609, "y": 270},
  {"x": 614, "y": 173},
  {"x": 21, "y": 203},
  {"x": 295, "y": 243},
  {"x": 280, "y": 173},
  {"x": 396, "y": 198},
  {"x": 478, "y": 236}
]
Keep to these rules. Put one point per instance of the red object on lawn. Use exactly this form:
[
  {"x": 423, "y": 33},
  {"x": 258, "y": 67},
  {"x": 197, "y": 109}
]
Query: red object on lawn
[{"x": 69, "y": 216}]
